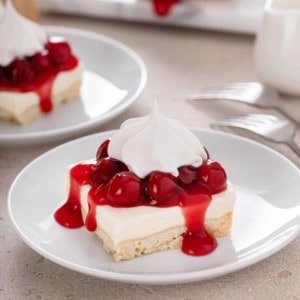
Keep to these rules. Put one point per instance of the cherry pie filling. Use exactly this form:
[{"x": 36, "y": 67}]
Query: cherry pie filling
[
  {"x": 163, "y": 7},
  {"x": 112, "y": 183},
  {"x": 38, "y": 72}
]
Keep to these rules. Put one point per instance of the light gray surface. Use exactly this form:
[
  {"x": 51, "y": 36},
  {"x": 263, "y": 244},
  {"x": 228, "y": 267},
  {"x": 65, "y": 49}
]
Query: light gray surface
[{"x": 178, "y": 62}]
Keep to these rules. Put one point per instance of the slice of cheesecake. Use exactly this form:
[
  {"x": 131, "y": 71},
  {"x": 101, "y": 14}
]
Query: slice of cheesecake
[
  {"x": 152, "y": 187},
  {"x": 132, "y": 231},
  {"x": 37, "y": 73},
  {"x": 25, "y": 107}
]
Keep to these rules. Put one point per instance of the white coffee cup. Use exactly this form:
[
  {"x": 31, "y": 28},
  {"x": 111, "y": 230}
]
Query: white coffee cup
[{"x": 277, "y": 49}]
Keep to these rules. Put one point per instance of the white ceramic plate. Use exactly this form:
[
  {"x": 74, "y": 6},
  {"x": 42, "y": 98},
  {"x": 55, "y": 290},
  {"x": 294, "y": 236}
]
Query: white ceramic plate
[
  {"x": 115, "y": 76},
  {"x": 266, "y": 216}
]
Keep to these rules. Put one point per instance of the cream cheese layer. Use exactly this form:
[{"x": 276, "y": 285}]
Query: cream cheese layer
[
  {"x": 122, "y": 224},
  {"x": 18, "y": 102}
]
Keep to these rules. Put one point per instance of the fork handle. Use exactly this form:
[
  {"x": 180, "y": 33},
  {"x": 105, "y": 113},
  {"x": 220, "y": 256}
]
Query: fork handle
[
  {"x": 294, "y": 147},
  {"x": 286, "y": 114}
]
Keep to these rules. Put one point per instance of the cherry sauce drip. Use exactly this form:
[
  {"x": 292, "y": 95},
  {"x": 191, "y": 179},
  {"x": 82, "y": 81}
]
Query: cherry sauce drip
[{"x": 69, "y": 215}]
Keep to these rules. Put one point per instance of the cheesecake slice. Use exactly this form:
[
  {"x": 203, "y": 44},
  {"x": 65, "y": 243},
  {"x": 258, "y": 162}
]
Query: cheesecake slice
[
  {"x": 25, "y": 107},
  {"x": 37, "y": 72},
  {"x": 132, "y": 231},
  {"x": 152, "y": 187}
]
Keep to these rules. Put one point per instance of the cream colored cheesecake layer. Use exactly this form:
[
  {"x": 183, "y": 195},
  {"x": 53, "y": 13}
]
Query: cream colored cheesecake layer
[
  {"x": 122, "y": 224},
  {"x": 16, "y": 103}
]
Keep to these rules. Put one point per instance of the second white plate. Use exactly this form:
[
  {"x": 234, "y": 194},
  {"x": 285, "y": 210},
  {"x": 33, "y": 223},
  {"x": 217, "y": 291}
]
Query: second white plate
[
  {"x": 114, "y": 77},
  {"x": 266, "y": 214}
]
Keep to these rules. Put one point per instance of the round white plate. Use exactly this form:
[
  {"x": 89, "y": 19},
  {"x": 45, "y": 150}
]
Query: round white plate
[
  {"x": 266, "y": 214},
  {"x": 114, "y": 77}
]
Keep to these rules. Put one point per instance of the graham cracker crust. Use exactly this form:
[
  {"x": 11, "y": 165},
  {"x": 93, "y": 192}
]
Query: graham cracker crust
[
  {"x": 34, "y": 112},
  {"x": 168, "y": 239}
]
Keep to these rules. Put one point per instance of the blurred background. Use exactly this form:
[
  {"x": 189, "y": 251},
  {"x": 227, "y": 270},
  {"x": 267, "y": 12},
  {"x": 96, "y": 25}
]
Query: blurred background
[{"x": 226, "y": 15}]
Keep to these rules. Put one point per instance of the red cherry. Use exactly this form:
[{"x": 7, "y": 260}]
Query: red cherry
[
  {"x": 3, "y": 77},
  {"x": 41, "y": 61},
  {"x": 196, "y": 188},
  {"x": 194, "y": 193},
  {"x": 163, "y": 188},
  {"x": 187, "y": 174},
  {"x": 20, "y": 71},
  {"x": 105, "y": 169},
  {"x": 59, "y": 49},
  {"x": 212, "y": 175},
  {"x": 102, "y": 150},
  {"x": 101, "y": 193},
  {"x": 125, "y": 189}
]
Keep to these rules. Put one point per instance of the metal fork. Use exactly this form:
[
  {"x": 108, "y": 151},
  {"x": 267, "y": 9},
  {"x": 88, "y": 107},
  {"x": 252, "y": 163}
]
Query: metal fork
[
  {"x": 253, "y": 93},
  {"x": 271, "y": 127}
]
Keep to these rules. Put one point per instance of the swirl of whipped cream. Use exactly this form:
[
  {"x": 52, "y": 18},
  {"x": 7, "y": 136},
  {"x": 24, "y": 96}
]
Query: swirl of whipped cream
[
  {"x": 19, "y": 36},
  {"x": 154, "y": 143}
]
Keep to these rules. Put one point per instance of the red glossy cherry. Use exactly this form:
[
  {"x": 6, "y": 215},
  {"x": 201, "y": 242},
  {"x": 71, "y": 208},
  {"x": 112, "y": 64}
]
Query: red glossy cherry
[
  {"x": 59, "y": 49},
  {"x": 125, "y": 189},
  {"x": 3, "y": 78},
  {"x": 20, "y": 71},
  {"x": 101, "y": 193},
  {"x": 105, "y": 169},
  {"x": 163, "y": 188},
  {"x": 41, "y": 61},
  {"x": 102, "y": 150},
  {"x": 212, "y": 175},
  {"x": 196, "y": 188},
  {"x": 187, "y": 174}
]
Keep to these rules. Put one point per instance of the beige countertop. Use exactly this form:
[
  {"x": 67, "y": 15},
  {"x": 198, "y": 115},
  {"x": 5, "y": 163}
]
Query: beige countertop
[{"x": 178, "y": 61}]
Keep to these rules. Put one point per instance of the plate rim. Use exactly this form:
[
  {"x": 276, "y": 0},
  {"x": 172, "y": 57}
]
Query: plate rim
[
  {"x": 8, "y": 138},
  {"x": 152, "y": 279}
]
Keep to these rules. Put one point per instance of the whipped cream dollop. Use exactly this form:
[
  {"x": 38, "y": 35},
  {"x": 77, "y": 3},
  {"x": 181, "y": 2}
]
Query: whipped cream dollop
[
  {"x": 155, "y": 143},
  {"x": 19, "y": 36}
]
